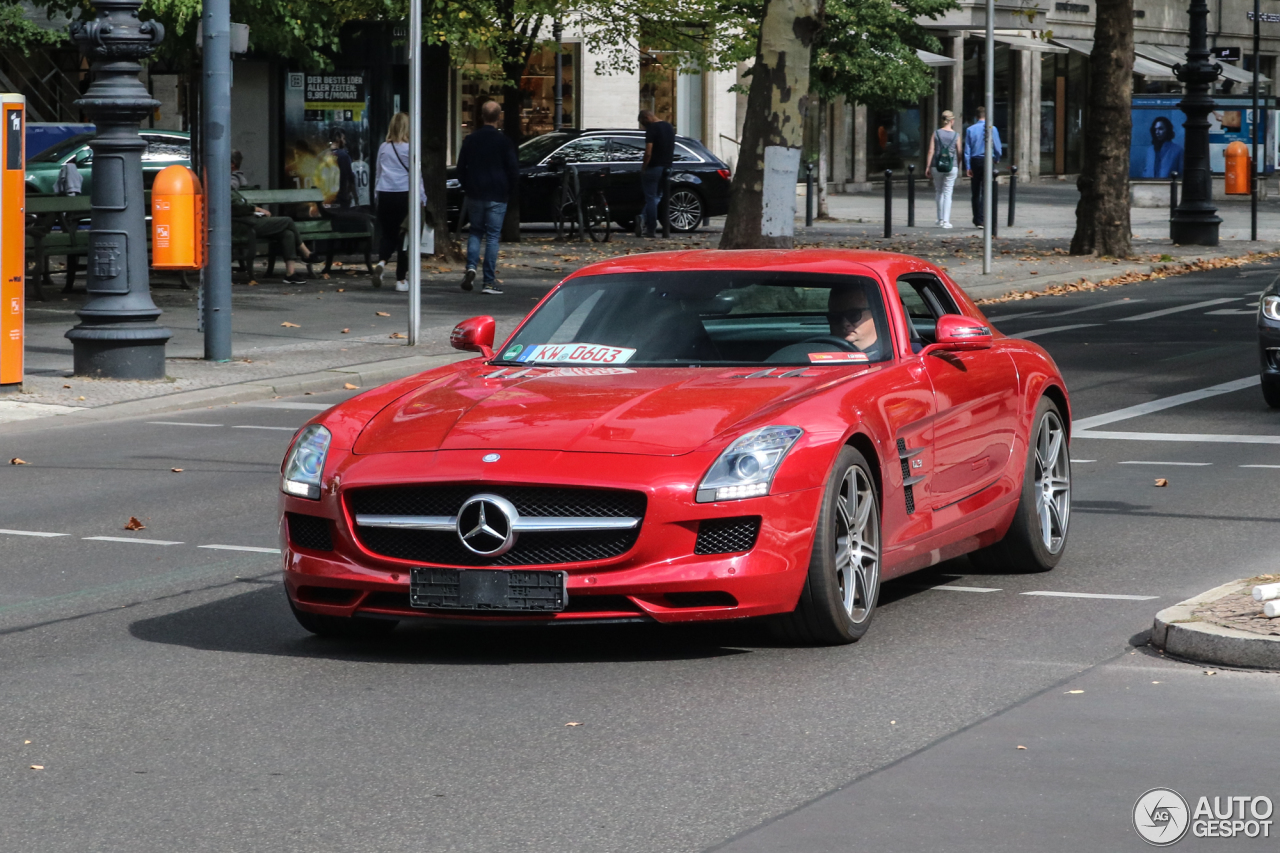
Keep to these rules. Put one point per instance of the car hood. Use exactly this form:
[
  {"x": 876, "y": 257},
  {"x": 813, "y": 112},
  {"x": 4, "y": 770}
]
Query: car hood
[{"x": 650, "y": 411}]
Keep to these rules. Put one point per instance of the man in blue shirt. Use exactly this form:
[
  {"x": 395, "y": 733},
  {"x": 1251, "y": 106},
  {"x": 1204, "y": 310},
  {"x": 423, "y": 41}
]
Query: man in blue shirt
[{"x": 975, "y": 146}]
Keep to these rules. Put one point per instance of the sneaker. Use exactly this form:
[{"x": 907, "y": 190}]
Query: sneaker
[
  {"x": 492, "y": 289},
  {"x": 375, "y": 277},
  {"x": 295, "y": 279},
  {"x": 946, "y": 225},
  {"x": 468, "y": 277},
  {"x": 402, "y": 286}
]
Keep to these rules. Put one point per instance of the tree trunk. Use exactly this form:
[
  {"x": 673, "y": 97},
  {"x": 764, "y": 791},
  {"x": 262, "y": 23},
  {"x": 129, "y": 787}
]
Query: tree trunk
[
  {"x": 1102, "y": 214},
  {"x": 762, "y": 202},
  {"x": 512, "y": 102},
  {"x": 435, "y": 143},
  {"x": 824, "y": 162}
]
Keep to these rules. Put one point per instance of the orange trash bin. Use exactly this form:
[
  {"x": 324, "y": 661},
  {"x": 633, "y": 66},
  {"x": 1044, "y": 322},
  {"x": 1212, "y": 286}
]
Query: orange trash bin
[
  {"x": 177, "y": 220},
  {"x": 1237, "y": 158}
]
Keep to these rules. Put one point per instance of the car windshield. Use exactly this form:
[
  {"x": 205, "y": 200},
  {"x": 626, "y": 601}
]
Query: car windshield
[
  {"x": 54, "y": 153},
  {"x": 535, "y": 149},
  {"x": 704, "y": 319}
]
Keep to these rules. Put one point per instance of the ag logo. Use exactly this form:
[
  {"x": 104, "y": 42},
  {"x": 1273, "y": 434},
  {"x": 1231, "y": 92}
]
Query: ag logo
[{"x": 1160, "y": 816}]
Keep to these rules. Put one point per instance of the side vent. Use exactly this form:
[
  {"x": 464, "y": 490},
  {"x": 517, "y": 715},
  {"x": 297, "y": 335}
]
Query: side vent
[{"x": 908, "y": 482}]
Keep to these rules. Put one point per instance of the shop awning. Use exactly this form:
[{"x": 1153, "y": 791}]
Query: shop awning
[
  {"x": 1170, "y": 56},
  {"x": 933, "y": 59},
  {"x": 1021, "y": 42},
  {"x": 1141, "y": 65}
]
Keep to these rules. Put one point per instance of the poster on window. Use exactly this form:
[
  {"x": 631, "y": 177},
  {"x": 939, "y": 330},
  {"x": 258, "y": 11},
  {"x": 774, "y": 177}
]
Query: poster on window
[
  {"x": 326, "y": 144},
  {"x": 1157, "y": 145}
]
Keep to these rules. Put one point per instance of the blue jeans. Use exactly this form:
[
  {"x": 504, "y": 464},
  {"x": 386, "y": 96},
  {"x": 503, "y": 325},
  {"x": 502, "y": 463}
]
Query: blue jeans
[
  {"x": 486, "y": 219},
  {"x": 651, "y": 183}
]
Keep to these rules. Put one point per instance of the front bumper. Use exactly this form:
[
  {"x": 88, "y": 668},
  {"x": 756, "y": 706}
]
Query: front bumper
[
  {"x": 660, "y": 578},
  {"x": 1269, "y": 350}
]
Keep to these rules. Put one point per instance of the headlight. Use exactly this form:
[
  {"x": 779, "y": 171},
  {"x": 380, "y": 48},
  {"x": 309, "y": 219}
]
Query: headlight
[
  {"x": 305, "y": 463},
  {"x": 1271, "y": 307},
  {"x": 453, "y": 184},
  {"x": 745, "y": 469}
]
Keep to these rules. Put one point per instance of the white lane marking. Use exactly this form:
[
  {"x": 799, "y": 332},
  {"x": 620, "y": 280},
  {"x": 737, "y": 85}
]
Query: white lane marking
[
  {"x": 247, "y": 426},
  {"x": 1242, "y": 466},
  {"x": 1151, "y": 315},
  {"x": 181, "y": 423},
  {"x": 1185, "y": 464},
  {"x": 1091, "y": 595},
  {"x": 1082, "y": 461},
  {"x": 1015, "y": 314},
  {"x": 32, "y": 533},
  {"x": 965, "y": 588},
  {"x": 1035, "y": 333},
  {"x": 1100, "y": 305},
  {"x": 1243, "y": 311},
  {"x": 1208, "y": 438},
  {"x": 304, "y": 407},
  {"x": 127, "y": 539},
  {"x": 1165, "y": 403},
  {"x": 242, "y": 548}
]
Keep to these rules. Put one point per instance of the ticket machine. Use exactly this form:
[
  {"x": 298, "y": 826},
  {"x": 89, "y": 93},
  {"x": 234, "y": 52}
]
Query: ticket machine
[{"x": 13, "y": 205}]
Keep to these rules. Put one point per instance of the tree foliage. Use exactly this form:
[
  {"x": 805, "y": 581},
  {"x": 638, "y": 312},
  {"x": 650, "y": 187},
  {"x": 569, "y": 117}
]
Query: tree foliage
[{"x": 18, "y": 32}]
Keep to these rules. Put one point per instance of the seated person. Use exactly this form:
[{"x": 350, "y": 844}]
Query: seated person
[
  {"x": 266, "y": 226},
  {"x": 851, "y": 318}
]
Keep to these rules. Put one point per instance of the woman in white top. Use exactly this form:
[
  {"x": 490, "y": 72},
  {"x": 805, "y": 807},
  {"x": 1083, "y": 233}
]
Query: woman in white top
[
  {"x": 945, "y": 148},
  {"x": 392, "y": 190}
]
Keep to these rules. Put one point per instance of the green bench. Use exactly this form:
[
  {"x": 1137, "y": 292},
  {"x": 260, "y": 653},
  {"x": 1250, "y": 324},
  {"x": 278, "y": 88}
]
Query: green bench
[
  {"x": 332, "y": 231},
  {"x": 42, "y": 241}
]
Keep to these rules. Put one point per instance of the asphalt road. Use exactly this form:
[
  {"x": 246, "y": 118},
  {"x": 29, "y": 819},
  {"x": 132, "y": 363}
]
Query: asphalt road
[{"x": 173, "y": 703}]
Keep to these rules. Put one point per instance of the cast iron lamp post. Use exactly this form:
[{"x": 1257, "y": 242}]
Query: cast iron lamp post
[
  {"x": 1195, "y": 221},
  {"x": 118, "y": 337}
]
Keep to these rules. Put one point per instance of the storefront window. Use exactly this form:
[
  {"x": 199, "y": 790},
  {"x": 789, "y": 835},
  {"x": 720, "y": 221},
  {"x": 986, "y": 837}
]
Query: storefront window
[
  {"x": 894, "y": 141},
  {"x": 658, "y": 72},
  {"x": 537, "y": 88}
]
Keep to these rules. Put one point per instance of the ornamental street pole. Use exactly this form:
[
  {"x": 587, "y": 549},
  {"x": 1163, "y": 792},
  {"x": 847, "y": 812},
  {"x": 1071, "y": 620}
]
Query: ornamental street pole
[
  {"x": 1253, "y": 163},
  {"x": 215, "y": 128},
  {"x": 117, "y": 337},
  {"x": 1195, "y": 222},
  {"x": 559, "y": 115},
  {"x": 988, "y": 153},
  {"x": 415, "y": 170}
]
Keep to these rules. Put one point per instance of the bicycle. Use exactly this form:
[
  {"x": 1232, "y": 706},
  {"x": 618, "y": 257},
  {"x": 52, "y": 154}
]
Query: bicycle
[{"x": 581, "y": 210}]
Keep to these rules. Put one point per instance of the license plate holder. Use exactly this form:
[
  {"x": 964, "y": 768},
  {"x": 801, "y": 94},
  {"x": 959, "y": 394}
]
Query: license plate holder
[{"x": 488, "y": 590}]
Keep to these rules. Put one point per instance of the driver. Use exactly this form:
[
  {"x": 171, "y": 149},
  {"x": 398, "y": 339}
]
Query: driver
[{"x": 851, "y": 319}]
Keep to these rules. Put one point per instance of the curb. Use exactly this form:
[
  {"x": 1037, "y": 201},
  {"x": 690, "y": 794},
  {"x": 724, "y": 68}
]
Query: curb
[
  {"x": 1179, "y": 633},
  {"x": 366, "y": 376}
]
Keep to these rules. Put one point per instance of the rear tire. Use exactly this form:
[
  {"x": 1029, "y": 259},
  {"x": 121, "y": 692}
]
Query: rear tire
[
  {"x": 843, "y": 583},
  {"x": 356, "y": 627},
  {"x": 1037, "y": 538},
  {"x": 1271, "y": 390},
  {"x": 685, "y": 209}
]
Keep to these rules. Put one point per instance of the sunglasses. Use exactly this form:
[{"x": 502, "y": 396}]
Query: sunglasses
[{"x": 853, "y": 316}]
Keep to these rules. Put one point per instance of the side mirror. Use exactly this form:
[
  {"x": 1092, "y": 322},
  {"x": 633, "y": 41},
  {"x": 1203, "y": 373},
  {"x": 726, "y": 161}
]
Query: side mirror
[
  {"x": 474, "y": 335},
  {"x": 84, "y": 155},
  {"x": 956, "y": 333}
]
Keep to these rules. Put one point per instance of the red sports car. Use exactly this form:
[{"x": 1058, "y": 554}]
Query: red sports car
[{"x": 686, "y": 436}]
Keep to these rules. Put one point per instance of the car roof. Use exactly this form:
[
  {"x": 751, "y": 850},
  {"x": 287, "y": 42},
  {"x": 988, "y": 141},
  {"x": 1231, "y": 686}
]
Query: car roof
[{"x": 886, "y": 265}]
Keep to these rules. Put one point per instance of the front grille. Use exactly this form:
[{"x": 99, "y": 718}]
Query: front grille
[
  {"x": 309, "y": 531},
  {"x": 727, "y": 535},
  {"x": 443, "y": 548}
]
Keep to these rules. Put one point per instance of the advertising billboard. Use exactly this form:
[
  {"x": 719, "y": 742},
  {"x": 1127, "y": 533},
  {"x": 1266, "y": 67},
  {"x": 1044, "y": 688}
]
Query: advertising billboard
[
  {"x": 315, "y": 105},
  {"x": 1157, "y": 145}
]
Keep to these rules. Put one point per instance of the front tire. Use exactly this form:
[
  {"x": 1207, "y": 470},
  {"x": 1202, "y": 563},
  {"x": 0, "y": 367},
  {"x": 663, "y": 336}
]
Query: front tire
[
  {"x": 1037, "y": 538},
  {"x": 843, "y": 584},
  {"x": 355, "y": 627},
  {"x": 1271, "y": 390},
  {"x": 684, "y": 209}
]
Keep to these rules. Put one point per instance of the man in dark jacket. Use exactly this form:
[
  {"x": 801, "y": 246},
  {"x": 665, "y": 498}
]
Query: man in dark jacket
[
  {"x": 659, "y": 152},
  {"x": 266, "y": 227},
  {"x": 488, "y": 171}
]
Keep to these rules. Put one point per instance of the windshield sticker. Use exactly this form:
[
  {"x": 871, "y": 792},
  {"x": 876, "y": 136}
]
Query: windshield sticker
[
  {"x": 584, "y": 371},
  {"x": 510, "y": 355},
  {"x": 575, "y": 354},
  {"x": 826, "y": 357}
]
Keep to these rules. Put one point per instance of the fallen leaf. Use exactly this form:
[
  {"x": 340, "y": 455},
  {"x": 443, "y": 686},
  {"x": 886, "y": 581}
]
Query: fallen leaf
[
  {"x": 350, "y": 387},
  {"x": 253, "y": 284},
  {"x": 26, "y": 741},
  {"x": 1162, "y": 482},
  {"x": 893, "y": 722},
  {"x": 16, "y": 461},
  {"x": 134, "y": 524},
  {"x": 345, "y": 331},
  {"x": 1075, "y": 691},
  {"x": 176, "y": 470},
  {"x": 1210, "y": 672},
  {"x": 342, "y": 290},
  {"x": 324, "y": 275},
  {"x": 395, "y": 335},
  {"x": 572, "y": 724},
  {"x": 308, "y": 393},
  {"x": 289, "y": 325},
  {"x": 79, "y": 398},
  {"x": 1021, "y": 747},
  {"x": 382, "y": 313},
  {"x": 37, "y": 766},
  {"x": 1155, "y": 682},
  {"x": 66, "y": 386}
]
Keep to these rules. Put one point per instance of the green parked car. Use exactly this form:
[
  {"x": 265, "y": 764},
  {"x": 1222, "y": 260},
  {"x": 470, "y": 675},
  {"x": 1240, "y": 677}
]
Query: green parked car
[{"x": 164, "y": 148}]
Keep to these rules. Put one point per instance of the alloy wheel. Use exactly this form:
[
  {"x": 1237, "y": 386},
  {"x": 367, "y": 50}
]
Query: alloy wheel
[
  {"x": 857, "y": 545},
  {"x": 685, "y": 210},
  {"x": 1052, "y": 482}
]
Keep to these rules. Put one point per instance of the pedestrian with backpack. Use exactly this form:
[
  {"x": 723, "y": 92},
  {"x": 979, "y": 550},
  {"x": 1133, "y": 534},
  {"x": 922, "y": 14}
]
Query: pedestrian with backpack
[{"x": 942, "y": 163}]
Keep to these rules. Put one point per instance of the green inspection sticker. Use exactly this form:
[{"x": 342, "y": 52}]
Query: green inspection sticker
[{"x": 514, "y": 351}]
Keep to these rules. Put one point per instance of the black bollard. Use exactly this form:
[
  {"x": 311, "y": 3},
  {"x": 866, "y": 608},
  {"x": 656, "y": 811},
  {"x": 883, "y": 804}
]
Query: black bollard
[
  {"x": 911, "y": 195},
  {"x": 808, "y": 195},
  {"x": 1173, "y": 193},
  {"x": 995, "y": 203},
  {"x": 1013, "y": 192},
  {"x": 888, "y": 203}
]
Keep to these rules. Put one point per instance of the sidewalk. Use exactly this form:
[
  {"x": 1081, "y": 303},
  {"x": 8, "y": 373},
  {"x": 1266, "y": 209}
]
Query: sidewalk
[{"x": 339, "y": 331}]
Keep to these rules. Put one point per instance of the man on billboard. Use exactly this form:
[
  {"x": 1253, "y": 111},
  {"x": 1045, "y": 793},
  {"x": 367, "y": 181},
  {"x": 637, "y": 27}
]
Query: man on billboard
[{"x": 1164, "y": 156}]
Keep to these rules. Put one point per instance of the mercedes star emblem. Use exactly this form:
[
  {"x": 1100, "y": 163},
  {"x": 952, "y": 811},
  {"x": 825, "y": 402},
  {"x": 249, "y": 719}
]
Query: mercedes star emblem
[{"x": 486, "y": 525}]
